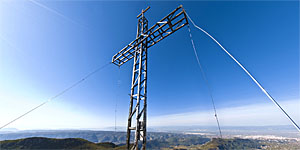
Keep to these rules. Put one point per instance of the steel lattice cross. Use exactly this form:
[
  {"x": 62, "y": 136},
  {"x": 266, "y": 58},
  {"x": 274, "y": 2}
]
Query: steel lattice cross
[{"x": 137, "y": 50}]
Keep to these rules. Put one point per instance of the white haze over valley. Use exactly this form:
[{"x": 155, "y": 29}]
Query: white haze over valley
[
  {"x": 59, "y": 114},
  {"x": 249, "y": 115}
]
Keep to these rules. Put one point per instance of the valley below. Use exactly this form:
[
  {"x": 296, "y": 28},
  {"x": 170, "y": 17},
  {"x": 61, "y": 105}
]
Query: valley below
[{"x": 180, "y": 138}]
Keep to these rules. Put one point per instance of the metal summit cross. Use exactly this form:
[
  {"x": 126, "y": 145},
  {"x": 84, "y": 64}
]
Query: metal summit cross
[{"x": 137, "y": 50}]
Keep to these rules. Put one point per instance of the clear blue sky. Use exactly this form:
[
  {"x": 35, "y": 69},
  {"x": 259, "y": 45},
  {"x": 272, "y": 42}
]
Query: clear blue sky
[{"x": 45, "y": 46}]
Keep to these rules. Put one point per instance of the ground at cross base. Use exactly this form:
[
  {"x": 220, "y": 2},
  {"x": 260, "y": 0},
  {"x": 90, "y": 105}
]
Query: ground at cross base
[{"x": 169, "y": 144}]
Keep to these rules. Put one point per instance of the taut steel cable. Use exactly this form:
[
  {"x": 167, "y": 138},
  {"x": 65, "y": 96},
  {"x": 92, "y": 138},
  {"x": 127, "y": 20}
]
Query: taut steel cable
[
  {"x": 256, "y": 82},
  {"x": 57, "y": 95}
]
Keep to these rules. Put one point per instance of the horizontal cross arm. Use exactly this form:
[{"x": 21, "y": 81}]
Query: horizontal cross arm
[{"x": 162, "y": 29}]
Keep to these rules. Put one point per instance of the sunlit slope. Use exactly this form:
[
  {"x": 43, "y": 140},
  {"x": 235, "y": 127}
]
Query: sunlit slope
[{"x": 218, "y": 144}]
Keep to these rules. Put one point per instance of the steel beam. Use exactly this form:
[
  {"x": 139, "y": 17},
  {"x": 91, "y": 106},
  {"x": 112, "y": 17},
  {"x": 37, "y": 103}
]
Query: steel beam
[{"x": 138, "y": 98}]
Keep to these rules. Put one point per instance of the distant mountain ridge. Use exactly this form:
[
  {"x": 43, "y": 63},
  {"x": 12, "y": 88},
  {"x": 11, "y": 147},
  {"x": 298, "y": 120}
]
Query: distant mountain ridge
[
  {"x": 92, "y": 136},
  {"x": 51, "y": 143},
  {"x": 192, "y": 138}
]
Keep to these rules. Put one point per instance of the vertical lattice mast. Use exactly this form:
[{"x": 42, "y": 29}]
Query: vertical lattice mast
[{"x": 138, "y": 95}]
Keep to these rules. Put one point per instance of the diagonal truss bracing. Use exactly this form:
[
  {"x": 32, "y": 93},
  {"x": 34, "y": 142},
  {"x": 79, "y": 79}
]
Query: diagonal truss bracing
[{"x": 165, "y": 27}]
